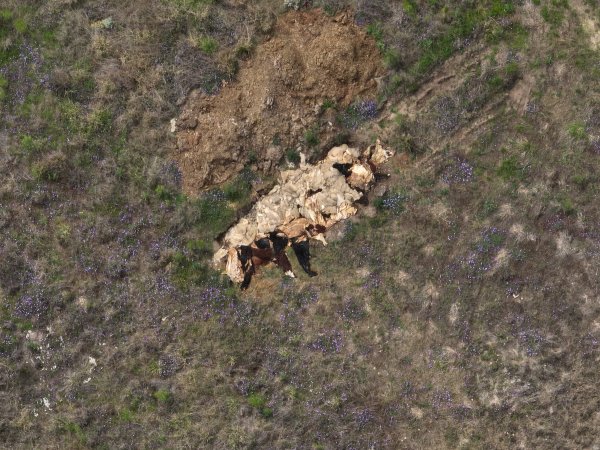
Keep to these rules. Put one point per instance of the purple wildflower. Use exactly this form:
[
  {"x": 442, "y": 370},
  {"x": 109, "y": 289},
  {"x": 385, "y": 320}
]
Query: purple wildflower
[
  {"x": 327, "y": 342},
  {"x": 30, "y": 306},
  {"x": 358, "y": 113},
  {"x": 459, "y": 172}
]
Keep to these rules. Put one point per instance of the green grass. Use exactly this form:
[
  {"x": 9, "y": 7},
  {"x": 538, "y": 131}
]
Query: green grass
[
  {"x": 162, "y": 395},
  {"x": 208, "y": 45},
  {"x": 258, "y": 402},
  {"x": 243, "y": 51},
  {"x": 238, "y": 190},
  {"x": 74, "y": 429},
  {"x": 392, "y": 58},
  {"x": 375, "y": 30},
  {"x": 31, "y": 145},
  {"x": 99, "y": 122},
  {"x": 501, "y": 8},
  {"x": 266, "y": 412},
  {"x": 8, "y": 53},
  {"x": 510, "y": 169},
  {"x": 126, "y": 415},
  {"x": 20, "y": 25},
  {"x": 190, "y": 270},
  {"x": 465, "y": 23},
  {"x": 192, "y": 5},
  {"x": 292, "y": 155},
  {"x": 488, "y": 207},
  {"x": 169, "y": 195},
  {"x": 504, "y": 78},
  {"x": 567, "y": 206},
  {"x": 517, "y": 37},
  {"x": 215, "y": 215},
  {"x": 581, "y": 181},
  {"x": 3, "y": 87},
  {"x": 553, "y": 12},
  {"x": 577, "y": 131},
  {"x": 40, "y": 172},
  {"x": 6, "y": 15},
  {"x": 410, "y": 7},
  {"x": 327, "y": 104}
]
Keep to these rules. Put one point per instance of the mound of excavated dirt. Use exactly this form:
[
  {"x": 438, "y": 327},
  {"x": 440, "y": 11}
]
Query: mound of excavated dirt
[{"x": 309, "y": 59}]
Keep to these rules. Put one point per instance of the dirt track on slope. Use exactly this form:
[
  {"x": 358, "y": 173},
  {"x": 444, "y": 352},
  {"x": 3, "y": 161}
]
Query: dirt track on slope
[{"x": 309, "y": 59}]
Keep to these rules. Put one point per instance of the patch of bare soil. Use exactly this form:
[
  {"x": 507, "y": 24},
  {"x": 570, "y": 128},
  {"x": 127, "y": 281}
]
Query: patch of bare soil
[{"x": 310, "y": 58}]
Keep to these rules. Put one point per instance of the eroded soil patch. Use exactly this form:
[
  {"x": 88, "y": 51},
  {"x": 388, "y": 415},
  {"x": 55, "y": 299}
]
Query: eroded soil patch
[{"x": 311, "y": 59}]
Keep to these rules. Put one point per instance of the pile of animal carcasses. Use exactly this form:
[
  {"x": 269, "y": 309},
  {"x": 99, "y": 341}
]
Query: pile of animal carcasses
[{"x": 305, "y": 203}]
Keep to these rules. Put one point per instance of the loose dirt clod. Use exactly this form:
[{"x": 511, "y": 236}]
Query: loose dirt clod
[{"x": 310, "y": 58}]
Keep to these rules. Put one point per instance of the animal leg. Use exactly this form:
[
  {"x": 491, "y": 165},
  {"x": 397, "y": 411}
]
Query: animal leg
[
  {"x": 344, "y": 169},
  {"x": 280, "y": 242},
  {"x": 283, "y": 262},
  {"x": 247, "y": 279},
  {"x": 302, "y": 251},
  {"x": 245, "y": 256}
]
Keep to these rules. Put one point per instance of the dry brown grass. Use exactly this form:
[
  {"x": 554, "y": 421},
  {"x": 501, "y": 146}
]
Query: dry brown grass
[{"x": 462, "y": 315}]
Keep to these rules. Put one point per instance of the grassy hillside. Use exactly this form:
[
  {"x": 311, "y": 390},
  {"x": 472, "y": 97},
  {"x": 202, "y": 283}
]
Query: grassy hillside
[{"x": 459, "y": 310}]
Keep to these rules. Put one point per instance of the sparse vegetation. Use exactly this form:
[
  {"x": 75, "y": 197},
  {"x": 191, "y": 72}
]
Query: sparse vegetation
[
  {"x": 456, "y": 310},
  {"x": 311, "y": 137},
  {"x": 292, "y": 155}
]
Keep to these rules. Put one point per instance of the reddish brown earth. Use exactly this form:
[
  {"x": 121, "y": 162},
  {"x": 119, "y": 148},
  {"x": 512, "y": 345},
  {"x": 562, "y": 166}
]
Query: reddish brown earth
[{"x": 277, "y": 97}]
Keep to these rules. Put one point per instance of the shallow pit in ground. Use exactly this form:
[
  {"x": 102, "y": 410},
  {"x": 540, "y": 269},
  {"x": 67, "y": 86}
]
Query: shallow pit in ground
[{"x": 311, "y": 60}]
